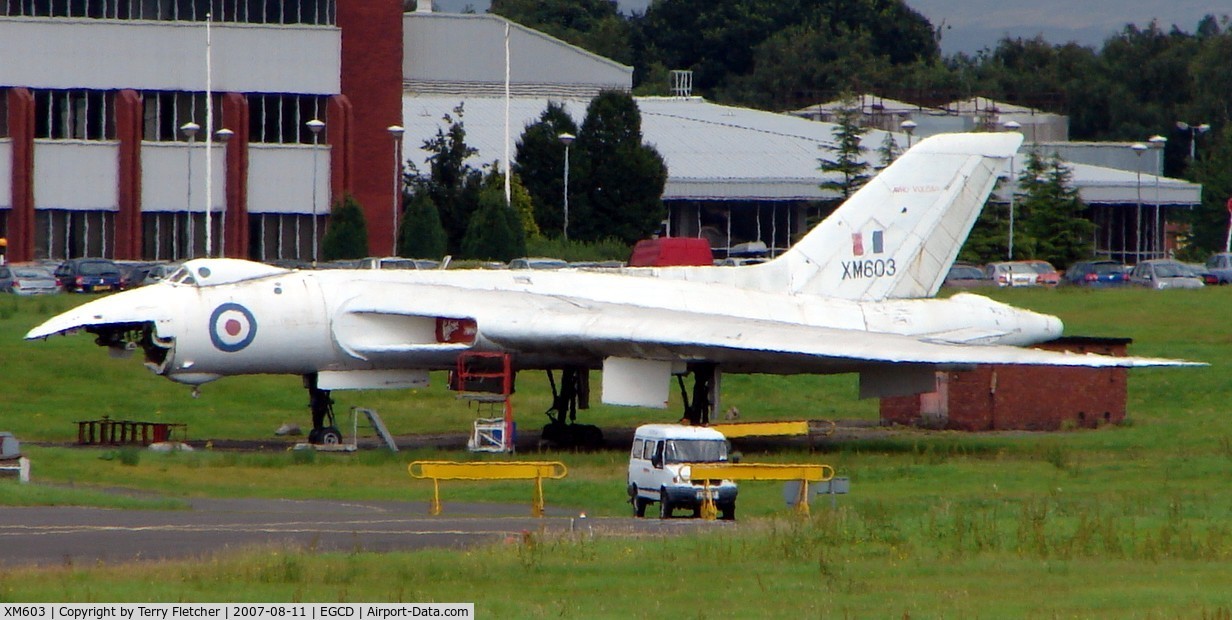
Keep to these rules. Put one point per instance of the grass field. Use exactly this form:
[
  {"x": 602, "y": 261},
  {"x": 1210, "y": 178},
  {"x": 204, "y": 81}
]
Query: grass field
[{"x": 1128, "y": 521}]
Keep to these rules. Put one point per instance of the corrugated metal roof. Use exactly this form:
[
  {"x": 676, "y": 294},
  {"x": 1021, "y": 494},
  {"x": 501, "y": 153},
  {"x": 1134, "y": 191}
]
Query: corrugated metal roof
[
  {"x": 465, "y": 54},
  {"x": 717, "y": 152},
  {"x": 713, "y": 152}
]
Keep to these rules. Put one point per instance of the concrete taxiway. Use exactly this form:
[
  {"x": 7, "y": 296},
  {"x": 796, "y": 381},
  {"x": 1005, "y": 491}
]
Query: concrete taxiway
[{"x": 70, "y": 535}]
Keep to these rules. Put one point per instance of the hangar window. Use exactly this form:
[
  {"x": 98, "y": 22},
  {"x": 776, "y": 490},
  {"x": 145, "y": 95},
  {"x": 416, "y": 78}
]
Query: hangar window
[
  {"x": 73, "y": 115},
  {"x": 322, "y": 12},
  {"x": 282, "y": 119}
]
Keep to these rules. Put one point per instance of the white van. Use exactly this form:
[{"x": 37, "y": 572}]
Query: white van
[{"x": 655, "y": 463}]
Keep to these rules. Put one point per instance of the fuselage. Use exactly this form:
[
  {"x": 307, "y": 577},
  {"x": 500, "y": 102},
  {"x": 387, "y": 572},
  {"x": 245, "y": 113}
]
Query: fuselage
[{"x": 247, "y": 318}]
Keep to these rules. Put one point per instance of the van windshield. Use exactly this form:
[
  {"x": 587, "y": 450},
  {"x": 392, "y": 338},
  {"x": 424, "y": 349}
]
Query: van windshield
[{"x": 695, "y": 451}]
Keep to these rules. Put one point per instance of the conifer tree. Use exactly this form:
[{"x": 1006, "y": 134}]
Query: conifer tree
[
  {"x": 347, "y": 234},
  {"x": 420, "y": 234},
  {"x": 848, "y": 162},
  {"x": 495, "y": 230}
]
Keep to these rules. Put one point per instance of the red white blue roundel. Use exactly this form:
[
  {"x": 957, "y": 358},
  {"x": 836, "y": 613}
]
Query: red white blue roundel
[{"x": 232, "y": 327}]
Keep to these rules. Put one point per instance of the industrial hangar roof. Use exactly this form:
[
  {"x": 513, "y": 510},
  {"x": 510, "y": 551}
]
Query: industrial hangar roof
[
  {"x": 713, "y": 152},
  {"x": 717, "y": 152}
]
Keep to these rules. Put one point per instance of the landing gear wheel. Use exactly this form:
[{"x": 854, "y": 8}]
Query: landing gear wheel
[
  {"x": 665, "y": 506},
  {"x": 329, "y": 436}
]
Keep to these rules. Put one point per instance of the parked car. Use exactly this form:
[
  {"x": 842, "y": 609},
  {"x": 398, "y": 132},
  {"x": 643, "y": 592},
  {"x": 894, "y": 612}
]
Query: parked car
[
  {"x": 965, "y": 275},
  {"x": 133, "y": 273},
  {"x": 1097, "y": 273},
  {"x": 32, "y": 280},
  {"x": 1023, "y": 273},
  {"x": 537, "y": 263},
  {"x": 1045, "y": 273},
  {"x": 88, "y": 275},
  {"x": 1208, "y": 277},
  {"x": 1164, "y": 273},
  {"x": 1221, "y": 266}
]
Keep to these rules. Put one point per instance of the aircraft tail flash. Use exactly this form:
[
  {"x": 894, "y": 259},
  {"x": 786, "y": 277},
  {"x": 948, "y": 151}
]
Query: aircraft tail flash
[{"x": 897, "y": 236}]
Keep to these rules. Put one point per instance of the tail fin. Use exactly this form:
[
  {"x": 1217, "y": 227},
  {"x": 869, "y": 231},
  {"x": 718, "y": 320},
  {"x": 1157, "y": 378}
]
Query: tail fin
[{"x": 898, "y": 235}]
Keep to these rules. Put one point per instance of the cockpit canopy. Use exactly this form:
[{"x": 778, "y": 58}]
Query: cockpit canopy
[{"x": 215, "y": 271}]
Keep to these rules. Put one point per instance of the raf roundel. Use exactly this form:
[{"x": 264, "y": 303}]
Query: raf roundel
[{"x": 232, "y": 327}]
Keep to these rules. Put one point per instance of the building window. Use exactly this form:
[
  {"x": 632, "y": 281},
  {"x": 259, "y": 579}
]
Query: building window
[
  {"x": 166, "y": 112},
  {"x": 317, "y": 12},
  {"x": 4, "y": 113},
  {"x": 282, "y": 119},
  {"x": 74, "y": 115},
  {"x": 282, "y": 236},
  {"x": 64, "y": 234},
  {"x": 176, "y": 235}
]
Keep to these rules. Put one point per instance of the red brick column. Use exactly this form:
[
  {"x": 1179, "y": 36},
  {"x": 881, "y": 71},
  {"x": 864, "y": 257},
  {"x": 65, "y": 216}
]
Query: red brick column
[
  {"x": 339, "y": 122},
  {"x": 235, "y": 118},
  {"x": 372, "y": 82},
  {"x": 21, "y": 218},
  {"x": 128, "y": 120}
]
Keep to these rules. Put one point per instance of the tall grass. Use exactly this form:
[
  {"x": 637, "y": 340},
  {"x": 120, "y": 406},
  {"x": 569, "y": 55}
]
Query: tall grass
[{"x": 1126, "y": 521}]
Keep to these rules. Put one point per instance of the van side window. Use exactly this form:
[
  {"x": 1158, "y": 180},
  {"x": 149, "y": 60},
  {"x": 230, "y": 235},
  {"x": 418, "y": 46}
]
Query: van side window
[
  {"x": 638, "y": 446},
  {"x": 649, "y": 450},
  {"x": 657, "y": 458}
]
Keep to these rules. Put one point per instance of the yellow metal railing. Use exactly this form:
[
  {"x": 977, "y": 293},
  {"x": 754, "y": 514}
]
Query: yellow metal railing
[
  {"x": 762, "y": 429},
  {"x": 805, "y": 473},
  {"x": 495, "y": 470}
]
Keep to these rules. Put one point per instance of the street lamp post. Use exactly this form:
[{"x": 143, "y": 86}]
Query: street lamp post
[
  {"x": 190, "y": 130},
  {"x": 1193, "y": 130},
  {"x": 1158, "y": 143},
  {"x": 315, "y": 125},
  {"x": 396, "y": 131},
  {"x": 908, "y": 126},
  {"x": 1012, "y": 126},
  {"x": 1139, "y": 148},
  {"x": 566, "y": 139},
  {"x": 224, "y": 136}
]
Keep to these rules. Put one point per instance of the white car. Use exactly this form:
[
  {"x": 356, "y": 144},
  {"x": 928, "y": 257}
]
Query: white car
[
  {"x": 1013, "y": 273},
  {"x": 660, "y": 451}
]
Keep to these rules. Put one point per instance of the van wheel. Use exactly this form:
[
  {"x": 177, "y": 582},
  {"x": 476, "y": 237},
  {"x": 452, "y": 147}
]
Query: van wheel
[
  {"x": 727, "y": 512},
  {"x": 639, "y": 506},
  {"x": 665, "y": 506}
]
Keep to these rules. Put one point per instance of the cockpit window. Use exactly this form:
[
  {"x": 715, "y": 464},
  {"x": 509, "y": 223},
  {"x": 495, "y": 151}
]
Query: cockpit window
[{"x": 182, "y": 276}]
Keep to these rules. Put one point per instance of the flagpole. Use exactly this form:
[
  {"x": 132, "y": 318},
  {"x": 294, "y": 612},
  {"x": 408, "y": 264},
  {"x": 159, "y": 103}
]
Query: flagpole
[{"x": 209, "y": 139}]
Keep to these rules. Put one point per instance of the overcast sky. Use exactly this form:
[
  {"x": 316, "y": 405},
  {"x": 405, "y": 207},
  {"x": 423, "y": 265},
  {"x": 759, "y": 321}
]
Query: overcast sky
[{"x": 971, "y": 25}]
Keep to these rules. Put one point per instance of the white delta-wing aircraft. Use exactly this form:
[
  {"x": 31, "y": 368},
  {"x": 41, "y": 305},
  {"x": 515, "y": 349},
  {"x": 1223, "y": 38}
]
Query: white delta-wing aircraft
[{"x": 854, "y": 295}]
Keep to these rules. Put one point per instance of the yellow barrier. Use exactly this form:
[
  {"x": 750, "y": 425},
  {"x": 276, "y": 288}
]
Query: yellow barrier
[
  {"x": 481, "y": 470},
  {"x": 762, "y": 429},
  {"x": 756, "y": 471}
]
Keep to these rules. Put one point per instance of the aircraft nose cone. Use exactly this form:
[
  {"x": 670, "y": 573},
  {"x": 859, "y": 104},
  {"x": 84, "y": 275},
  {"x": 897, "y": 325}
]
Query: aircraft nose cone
[{"x": 137, "y": 306}]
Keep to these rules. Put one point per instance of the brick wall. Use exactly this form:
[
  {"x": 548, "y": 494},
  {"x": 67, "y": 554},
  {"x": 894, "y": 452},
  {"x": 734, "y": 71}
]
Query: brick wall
[{"x": 1021, "y": 397}]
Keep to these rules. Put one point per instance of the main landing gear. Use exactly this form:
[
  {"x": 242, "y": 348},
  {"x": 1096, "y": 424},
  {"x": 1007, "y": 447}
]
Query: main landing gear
[
  {"x": 697, "y": 411},
  {"x": 562, "y": 428},
  {"x": 323, "y": 430}
]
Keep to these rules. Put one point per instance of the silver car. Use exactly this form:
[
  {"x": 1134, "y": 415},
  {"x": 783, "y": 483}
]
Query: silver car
[
  {"x": 33, "y": 281},
  {"x": 1164, "y": 273}
]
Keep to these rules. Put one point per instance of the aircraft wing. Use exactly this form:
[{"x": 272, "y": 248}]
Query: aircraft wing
[{"x": 586, "y": 332}]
